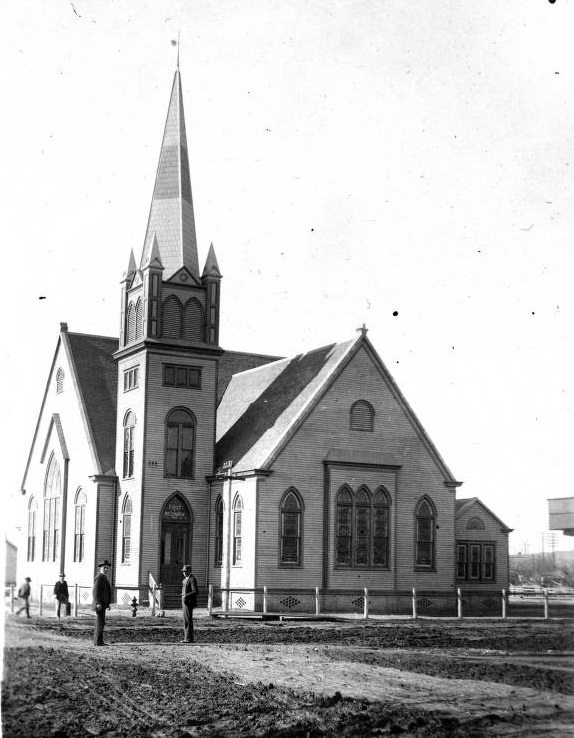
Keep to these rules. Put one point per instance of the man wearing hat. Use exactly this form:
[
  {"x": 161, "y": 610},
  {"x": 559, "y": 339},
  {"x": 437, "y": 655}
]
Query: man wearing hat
[
  {"x": 101, "y": 598},
  {"x": 61, "y": 594},
  {"x": 188, "y": 602},
  {"x": 24, "y": 593}
]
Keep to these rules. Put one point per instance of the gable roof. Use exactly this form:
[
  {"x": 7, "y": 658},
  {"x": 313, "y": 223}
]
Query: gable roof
[
  {"x": 461, "y": 507},
  {"x": 261, "y": 409},
  {"x": 96, "y": 374},
  {"x": 234, "y": 362},
  {"x": 262, "y": 406}
]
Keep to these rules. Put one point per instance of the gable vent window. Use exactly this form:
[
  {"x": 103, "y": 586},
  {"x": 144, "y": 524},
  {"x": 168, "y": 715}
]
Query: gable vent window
[
  {"x": 60, "y": 380},
  {"x": 362, "y": 416}
]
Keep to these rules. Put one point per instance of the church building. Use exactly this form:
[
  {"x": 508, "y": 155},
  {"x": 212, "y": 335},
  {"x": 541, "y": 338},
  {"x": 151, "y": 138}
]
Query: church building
[{"x": 161, "y": 448}]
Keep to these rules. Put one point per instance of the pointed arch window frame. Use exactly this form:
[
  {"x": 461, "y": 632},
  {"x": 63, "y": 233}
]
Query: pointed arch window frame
[
  {"x": 291, "y": 529},
  {"x": 52, "y": 510},
  {"x": 80, "y": 502},
  {"x": 425, "y": 534},
  {"x": 237, "y": 530},
  {"x": 362, "y": 531}
]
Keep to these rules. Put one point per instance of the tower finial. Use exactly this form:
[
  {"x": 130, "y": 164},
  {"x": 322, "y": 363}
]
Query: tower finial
[{"x": 178, "y": 50}]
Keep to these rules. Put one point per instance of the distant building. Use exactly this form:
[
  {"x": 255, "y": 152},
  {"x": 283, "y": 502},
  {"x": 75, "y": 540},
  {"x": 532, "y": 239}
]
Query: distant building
[
  {"x": 161, "y": 448},
  {"x": 561, "y": 514},
  {"x": 10, "y": 565}
]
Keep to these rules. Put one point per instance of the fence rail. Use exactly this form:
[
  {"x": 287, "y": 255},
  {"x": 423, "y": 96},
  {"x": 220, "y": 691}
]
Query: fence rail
[{"x": 366, "y": 602}]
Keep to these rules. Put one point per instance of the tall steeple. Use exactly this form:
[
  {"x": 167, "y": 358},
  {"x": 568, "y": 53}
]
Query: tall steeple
[{"x": 171, "y": 220}]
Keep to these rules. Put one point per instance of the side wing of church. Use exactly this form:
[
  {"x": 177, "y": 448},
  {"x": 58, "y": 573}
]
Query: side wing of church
[{"x": 160, "y": 448}]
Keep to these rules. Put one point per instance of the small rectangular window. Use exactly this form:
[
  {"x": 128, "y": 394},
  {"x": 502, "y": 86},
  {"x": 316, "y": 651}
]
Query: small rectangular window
[
  {"x": 182, "y": 376},
  {"x": 131, "y": 378}
]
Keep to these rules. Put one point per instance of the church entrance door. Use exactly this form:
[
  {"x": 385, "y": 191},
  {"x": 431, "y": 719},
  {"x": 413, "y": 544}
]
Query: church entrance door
[{"x": 175, "y": 550}]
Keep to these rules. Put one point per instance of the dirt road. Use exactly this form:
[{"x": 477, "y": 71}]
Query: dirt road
[{"x": 423, "y": 679}]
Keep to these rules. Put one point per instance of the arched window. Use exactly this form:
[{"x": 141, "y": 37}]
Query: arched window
[
  {"x": 131, "y": 323},
  {"x": 129, "y": 432},
  {"x": 344, "y": 527},
  {"x": 79, "y": 524},
  {"x": 52, "y": 493},
  {"x": 362, "y": 416},
  {"x": 475, "y": 524},
  {"x": 32, "y": 515},
  {"x": 193, "y": 321},
  {"x": 237, "y": 529},
  {"x": 126, "y": 529},
  {"x": 291, "y": 527},
  {"x": 139, "y": 318},
  {"x": 219, "y": 532},
  {"x": 171, "y": 317},
  {"x": 60, "y": 380},
  {"x": 362, "y": 528},
  {"x": 381, "y": 527},
  {"x": 179, "y": 443},
  {"x": 425, "y": 527}
]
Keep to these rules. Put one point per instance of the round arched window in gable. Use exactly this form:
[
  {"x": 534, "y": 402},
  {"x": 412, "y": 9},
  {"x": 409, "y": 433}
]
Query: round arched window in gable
[
  {"x": 362, "y": 416},
  {"x": 60, "y": 380},
  {"x": 475, "y": 524}
]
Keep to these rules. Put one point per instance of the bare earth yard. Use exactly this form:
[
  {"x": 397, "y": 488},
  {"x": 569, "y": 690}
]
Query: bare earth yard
[{"x": 289, "y": 678}]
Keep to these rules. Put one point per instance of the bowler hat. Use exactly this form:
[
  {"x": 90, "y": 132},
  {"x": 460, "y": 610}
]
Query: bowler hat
[
  {"x": 105, "y": 562},
  {"x": 28, "y": 579},
  {"x": 187, "y": 567},
  {"x": 62, "y": 574}
]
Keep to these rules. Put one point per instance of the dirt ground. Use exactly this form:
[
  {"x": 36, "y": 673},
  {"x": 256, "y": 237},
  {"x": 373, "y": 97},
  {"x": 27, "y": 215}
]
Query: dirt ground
[{"x": 287, "y": 678}]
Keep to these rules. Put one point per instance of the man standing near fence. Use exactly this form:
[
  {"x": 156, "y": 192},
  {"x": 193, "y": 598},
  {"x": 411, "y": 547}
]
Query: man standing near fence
[
  {"x": 101, "y": 599},
  {"x": 188, "y": 602},
  {"x": 62, "y": 595}
]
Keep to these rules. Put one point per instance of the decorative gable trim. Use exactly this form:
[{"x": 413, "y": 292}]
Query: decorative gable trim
[
  {"x": 184, "y": 277},
  {"x": 55, "y": 421}
]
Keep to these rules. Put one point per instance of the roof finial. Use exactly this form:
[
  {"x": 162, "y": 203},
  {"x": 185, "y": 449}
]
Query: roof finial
[{"x": 363, "y": 330}]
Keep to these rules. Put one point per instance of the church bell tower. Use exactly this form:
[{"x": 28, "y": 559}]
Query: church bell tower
[{"x": 167, "y": 374}]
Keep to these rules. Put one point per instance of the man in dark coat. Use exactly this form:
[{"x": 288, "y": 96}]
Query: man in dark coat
[
  {"x": 188, "y": 602},
  {"x": 61, "y": 594},
  {"x": 24, "y": 593},
  {"x": 101, "y": 599}
]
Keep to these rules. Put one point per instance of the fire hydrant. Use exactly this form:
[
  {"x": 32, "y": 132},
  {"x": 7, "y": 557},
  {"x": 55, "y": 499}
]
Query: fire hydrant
[{"x": 134, "y": 607}]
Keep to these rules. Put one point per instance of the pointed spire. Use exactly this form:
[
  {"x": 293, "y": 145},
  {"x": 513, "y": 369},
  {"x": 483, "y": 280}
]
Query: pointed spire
[
  {"x": 211, "y": 268},
  {"x": 171, "y": 219},
  {"x": 154, "y": 258},
  {"x": 131, "y": 267}
]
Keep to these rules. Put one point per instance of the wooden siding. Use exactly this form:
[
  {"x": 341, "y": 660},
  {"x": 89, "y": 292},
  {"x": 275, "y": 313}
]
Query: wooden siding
[
  {"x": 492, "y": 533},
  {"x": 128, "y": 574},
  {"x": 301, "y": 465},
  {"x": 156, "y": 487},
  {"x": 81, "y": 467}
]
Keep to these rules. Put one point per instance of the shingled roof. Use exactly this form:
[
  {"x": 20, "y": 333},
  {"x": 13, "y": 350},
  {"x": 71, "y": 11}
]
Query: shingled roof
[
  {"x": 262, "y": 405},
  {"x": 96, "y": 372}
]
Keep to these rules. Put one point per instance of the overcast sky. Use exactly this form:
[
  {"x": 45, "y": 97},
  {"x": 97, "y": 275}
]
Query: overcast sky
[{"x": 407, "y": 165}]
